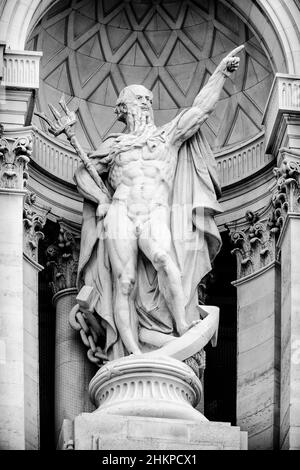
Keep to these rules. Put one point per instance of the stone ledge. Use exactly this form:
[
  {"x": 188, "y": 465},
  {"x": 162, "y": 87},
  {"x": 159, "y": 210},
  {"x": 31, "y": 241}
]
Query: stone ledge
[{"x": 101, "y": 431}]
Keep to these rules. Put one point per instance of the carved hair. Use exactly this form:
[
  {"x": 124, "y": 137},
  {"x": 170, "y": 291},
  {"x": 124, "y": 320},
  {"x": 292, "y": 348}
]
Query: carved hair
[{"x": 127, "y": 96}]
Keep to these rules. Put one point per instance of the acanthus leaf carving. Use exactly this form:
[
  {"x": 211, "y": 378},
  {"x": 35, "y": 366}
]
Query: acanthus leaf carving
[
  {"x": 286, "y": 197},
  {"x": 254, "y": 241},
  {"x": 62, "y": 260},
  {"x": 34, "y": 219},
  {"x": 14, "y": 159}
]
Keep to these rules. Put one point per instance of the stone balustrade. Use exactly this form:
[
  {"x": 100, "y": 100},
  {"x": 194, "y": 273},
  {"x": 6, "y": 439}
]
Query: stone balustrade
[
  {"x": 242, "y": 161},
  {"x": 53, "y": 155},
  {"x": 21, "y": 69},
  {"x": 284, "y": 98},
  {"x": 233, "y": 165}
]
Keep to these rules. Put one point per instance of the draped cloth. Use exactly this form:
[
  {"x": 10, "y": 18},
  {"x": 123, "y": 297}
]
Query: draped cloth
[{"x": 195, "y": 243}]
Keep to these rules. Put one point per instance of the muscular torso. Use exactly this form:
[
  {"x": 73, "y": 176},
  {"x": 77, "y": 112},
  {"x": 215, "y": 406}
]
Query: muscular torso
[{"x": 142, "y": 177}]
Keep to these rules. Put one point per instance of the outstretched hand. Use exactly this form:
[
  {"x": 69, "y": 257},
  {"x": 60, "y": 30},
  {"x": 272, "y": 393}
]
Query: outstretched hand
[{"x": 231, "y": 62}]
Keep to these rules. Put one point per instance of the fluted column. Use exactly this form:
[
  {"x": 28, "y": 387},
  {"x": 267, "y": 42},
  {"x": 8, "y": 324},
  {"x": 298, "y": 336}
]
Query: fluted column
[
  {"x": 258, "y": 323},
  {"x": 14, "y": 157},
  {"x": 287, "y": 202},
  {"x": 73, "y": 371}
]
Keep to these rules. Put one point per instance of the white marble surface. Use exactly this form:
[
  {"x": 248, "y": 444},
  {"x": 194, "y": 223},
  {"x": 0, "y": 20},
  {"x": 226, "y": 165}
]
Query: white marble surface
[
  {"x": 257, "y": 361},
  {"x": 12, "y": 431}
]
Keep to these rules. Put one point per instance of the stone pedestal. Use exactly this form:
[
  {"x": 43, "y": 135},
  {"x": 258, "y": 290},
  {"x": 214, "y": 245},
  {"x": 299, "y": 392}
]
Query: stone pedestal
[
  {"x": 113, "y": 432},
  {"x": 147, "y": 402}
]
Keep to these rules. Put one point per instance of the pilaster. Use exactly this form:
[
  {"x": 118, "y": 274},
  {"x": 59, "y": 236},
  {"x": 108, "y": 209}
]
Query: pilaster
[
  {"x": 14, "y": 158},
  {"x": 34, "y": 219},
  {"x": 286, "y": 200},
  {"x": 258, "y": 315}
]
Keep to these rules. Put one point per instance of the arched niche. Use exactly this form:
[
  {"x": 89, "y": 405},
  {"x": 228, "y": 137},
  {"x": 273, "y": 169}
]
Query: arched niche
[{"x": 273, "y": 21}]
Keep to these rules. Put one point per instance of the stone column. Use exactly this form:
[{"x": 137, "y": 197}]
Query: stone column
[
  {"x": 73, "y": 371},
  {"x": 258, "y": 322},
  {"x": 282, "y": 124},
  {"x": 34, "y": 218},
  {"x": 287, "y": 203},
  {"x": 14, "y": 157}
]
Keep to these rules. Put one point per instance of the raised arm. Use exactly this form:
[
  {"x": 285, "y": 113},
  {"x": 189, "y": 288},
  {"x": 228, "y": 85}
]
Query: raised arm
[{"x": 206, "y": 100}]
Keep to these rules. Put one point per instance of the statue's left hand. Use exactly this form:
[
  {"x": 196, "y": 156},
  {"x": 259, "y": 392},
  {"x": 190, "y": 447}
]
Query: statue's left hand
[{"x": 231, "y": 62}]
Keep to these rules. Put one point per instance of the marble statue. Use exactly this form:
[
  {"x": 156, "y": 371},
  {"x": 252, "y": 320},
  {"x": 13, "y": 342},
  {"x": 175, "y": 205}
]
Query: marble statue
[{"x": 148, "y": 234}]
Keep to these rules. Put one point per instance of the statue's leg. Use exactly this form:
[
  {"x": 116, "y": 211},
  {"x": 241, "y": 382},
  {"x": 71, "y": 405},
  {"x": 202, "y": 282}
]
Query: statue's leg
[
  {"x": 122, "y": 250},
  {"x": 155, "y": 241}
]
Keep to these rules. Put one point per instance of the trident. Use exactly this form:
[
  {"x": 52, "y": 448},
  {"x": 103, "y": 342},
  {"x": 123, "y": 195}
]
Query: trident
[{"x": 64, "y": 124}]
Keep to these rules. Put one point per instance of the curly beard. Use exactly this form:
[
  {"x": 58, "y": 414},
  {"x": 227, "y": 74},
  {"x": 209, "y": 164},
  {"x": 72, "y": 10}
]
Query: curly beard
[{"x": 138, "y": 119}]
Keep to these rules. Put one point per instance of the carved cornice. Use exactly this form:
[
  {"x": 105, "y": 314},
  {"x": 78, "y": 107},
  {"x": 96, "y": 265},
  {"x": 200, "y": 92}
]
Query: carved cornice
[
  {"x": 282, "y": 113},
  {"x": 254, "y": 240},
  {"x": 14, "y": 159},
  {"x": 62, "y": 259},
  {"x": 34, "y": 219}
]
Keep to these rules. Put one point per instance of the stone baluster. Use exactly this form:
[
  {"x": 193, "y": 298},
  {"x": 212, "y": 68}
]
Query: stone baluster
[
  {"x": 73, "y": 371},
  {"x": 34, "y": 219},
  {"x": 14, "y": 158},
  {"x": 258, "y": 322},
  {"x": 286, "y": 199}
]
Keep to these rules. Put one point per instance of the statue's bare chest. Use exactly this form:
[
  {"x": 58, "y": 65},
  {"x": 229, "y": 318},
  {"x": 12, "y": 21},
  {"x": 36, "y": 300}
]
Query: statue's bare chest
[{"x": 155, "y": 162}]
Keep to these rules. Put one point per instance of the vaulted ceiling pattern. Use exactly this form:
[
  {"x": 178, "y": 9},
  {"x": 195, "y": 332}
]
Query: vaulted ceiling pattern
[{"x": 94, "y": 48}]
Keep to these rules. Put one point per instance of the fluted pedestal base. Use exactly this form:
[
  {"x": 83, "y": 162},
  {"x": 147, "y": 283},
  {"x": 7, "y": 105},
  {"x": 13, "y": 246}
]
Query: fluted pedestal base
[
  {"x": 147, "y": 403},
  {"x": 159, "y": 387}
]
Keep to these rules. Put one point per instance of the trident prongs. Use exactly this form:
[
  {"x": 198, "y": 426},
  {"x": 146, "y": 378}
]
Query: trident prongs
[
  {"x": 54, "y": 111},
  {"x": 61, "y": 123}
]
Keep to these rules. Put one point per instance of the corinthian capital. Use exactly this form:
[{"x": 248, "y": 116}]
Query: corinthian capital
[
  {"x": 286, "y": 197},
  {"x": 254, "y": 240},
  {"x": 14, "y": 159},
  {"x": 62, "y": 259},
  {"x": 34, "y": 219}
]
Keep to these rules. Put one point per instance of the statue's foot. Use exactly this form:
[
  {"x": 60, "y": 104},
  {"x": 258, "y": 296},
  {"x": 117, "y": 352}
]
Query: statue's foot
[{"x": 185, "y": 327}]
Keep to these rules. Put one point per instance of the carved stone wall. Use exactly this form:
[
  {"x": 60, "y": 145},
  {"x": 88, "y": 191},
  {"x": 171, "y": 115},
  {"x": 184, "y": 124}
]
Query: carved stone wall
[{"x": 92, "y": 49}]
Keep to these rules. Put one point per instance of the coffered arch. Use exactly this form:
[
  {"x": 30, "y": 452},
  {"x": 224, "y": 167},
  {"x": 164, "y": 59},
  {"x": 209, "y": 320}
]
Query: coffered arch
[
  {"x": 273, "y": 21},
  {"x": 93, "y": 49}
]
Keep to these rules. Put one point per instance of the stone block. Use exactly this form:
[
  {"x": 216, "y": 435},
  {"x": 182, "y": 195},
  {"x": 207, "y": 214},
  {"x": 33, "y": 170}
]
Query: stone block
[{"x": 98, "y": 430}]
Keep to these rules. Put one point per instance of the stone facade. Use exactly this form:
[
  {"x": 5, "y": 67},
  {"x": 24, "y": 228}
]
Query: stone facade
[{"x": 90, "y": 50}]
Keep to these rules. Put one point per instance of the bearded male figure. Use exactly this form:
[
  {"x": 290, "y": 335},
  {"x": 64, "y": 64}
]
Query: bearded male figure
[{"x": 145, "y": 250}]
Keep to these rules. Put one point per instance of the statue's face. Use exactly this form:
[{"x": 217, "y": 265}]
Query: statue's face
[
  {"x": 143, "y": 97},
  {"x": 135, "y": 100}
]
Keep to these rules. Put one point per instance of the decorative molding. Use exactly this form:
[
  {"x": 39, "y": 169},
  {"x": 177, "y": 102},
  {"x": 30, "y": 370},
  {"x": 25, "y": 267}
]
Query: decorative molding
[
  {"x": 256, "y": 274},
  {"x": 159, "y": 386},
  {"x": 62, "y": 258},
  {"x": 21, "y": 69},
  {"x": 56, "y": 157},
  {"x": 283, "y": 103},
  {"x": 254, "y": 240},
  {"x": 238, "y": 163},
  {"x": 233, "y": 165},
  {"x": 34, "y": 219},
  {"x": 14, "y": 158},
  {"x": 2, "y": 49}
]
